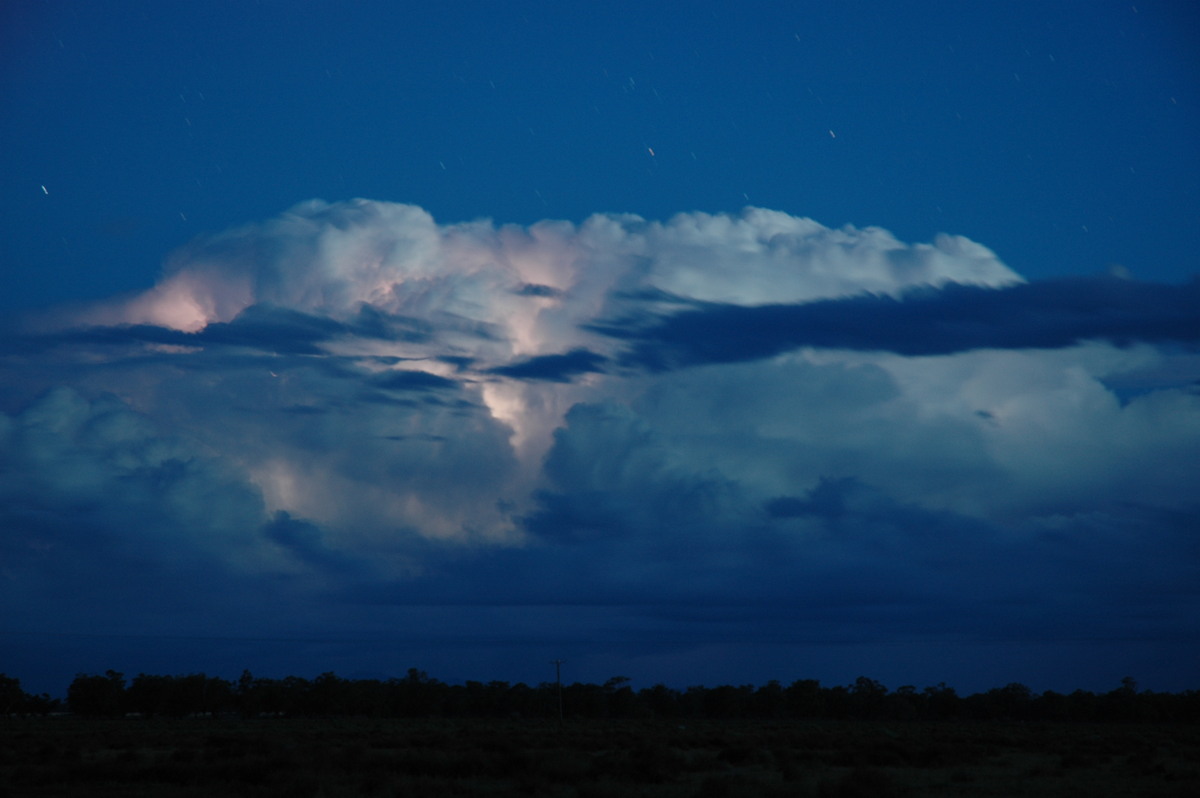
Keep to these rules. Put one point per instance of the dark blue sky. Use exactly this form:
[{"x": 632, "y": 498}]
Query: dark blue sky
[
  {"x": 1062, "y": 135},
  {"x": 706, "y": 342}
]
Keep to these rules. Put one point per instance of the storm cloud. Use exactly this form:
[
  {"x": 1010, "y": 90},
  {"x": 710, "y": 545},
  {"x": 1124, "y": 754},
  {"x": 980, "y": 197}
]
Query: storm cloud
[
  {"x": 1049, "y": 314},
  {"x": 635, "y": 441}
]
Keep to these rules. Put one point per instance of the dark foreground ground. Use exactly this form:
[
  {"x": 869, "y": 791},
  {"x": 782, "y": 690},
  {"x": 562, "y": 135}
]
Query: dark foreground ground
[{"x": 66, "y": 756}]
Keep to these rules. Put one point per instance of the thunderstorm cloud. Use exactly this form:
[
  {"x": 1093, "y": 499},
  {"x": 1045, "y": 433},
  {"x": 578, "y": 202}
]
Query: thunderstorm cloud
[{"x": 632, "y": 435}]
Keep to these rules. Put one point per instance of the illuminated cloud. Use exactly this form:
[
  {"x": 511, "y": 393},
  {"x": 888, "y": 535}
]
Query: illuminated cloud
[
  {"x": 359, "y": 355},
  {"x": 754, "y": 409}
]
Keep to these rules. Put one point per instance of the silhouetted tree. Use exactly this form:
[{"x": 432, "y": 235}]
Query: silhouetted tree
[
  {"x": 1052, "y": 706},
  {"x": 621, "y": 700},
  {"x": 904, "y": 703},
  {"x": 418, "y": 695},
  {"x": 325, "y": 696},
  {"x": 867, "y": 698},
  {"x": 838, "y": 702},
  {"x": 97, "y": 695},
  {"x": 1082, "y": 706},
  {"x": 12, "y": 697},
  {"x": 727, "y": 701},
  {"x": 805, "y": 699},
  {"x": 660, "y": 701},
  {"x": 768, "y": 700},
  {"x": 216, "y": 694},
  {"x": 1013, "y": 702},
  {"x": 943, "y": 702},
  {"x": 148, "y": 695},
  {"x": 247, "y": 697}
]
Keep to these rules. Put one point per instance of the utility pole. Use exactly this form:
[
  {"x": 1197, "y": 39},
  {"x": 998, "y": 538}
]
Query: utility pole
[{"x": 558, "y": 681}]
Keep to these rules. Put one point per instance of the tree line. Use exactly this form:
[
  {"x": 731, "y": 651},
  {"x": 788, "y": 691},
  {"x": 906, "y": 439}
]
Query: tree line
[{"x": 416, "y": 695}]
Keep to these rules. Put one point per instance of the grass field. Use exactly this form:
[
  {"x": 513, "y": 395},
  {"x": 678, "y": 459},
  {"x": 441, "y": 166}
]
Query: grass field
[{"x": 66, "y": 756}]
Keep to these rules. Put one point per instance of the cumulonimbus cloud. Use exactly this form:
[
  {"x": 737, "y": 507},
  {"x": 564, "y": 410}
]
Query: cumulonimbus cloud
[
  {"x": 404, "y": 411},
  {"x": 374, "y": 305}
]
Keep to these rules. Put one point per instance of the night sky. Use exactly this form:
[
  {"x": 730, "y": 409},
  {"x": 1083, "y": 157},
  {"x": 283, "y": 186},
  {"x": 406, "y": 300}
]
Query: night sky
[{"x": 697, "y": 343}]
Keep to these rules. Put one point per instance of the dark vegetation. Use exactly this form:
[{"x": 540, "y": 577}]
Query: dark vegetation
[
  {"x": 198, "y": 735},
  {"x": 416, "y": 695}
]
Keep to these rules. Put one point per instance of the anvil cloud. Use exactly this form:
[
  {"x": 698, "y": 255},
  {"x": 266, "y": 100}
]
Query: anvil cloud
[{"x": 689, "y": 449}]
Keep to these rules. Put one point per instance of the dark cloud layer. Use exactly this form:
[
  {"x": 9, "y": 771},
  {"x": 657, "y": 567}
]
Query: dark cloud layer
[
  {"x": 263, "y": 327},
  {"x": 954, "y": 318},
  {"x": 554, "y": 368}
]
